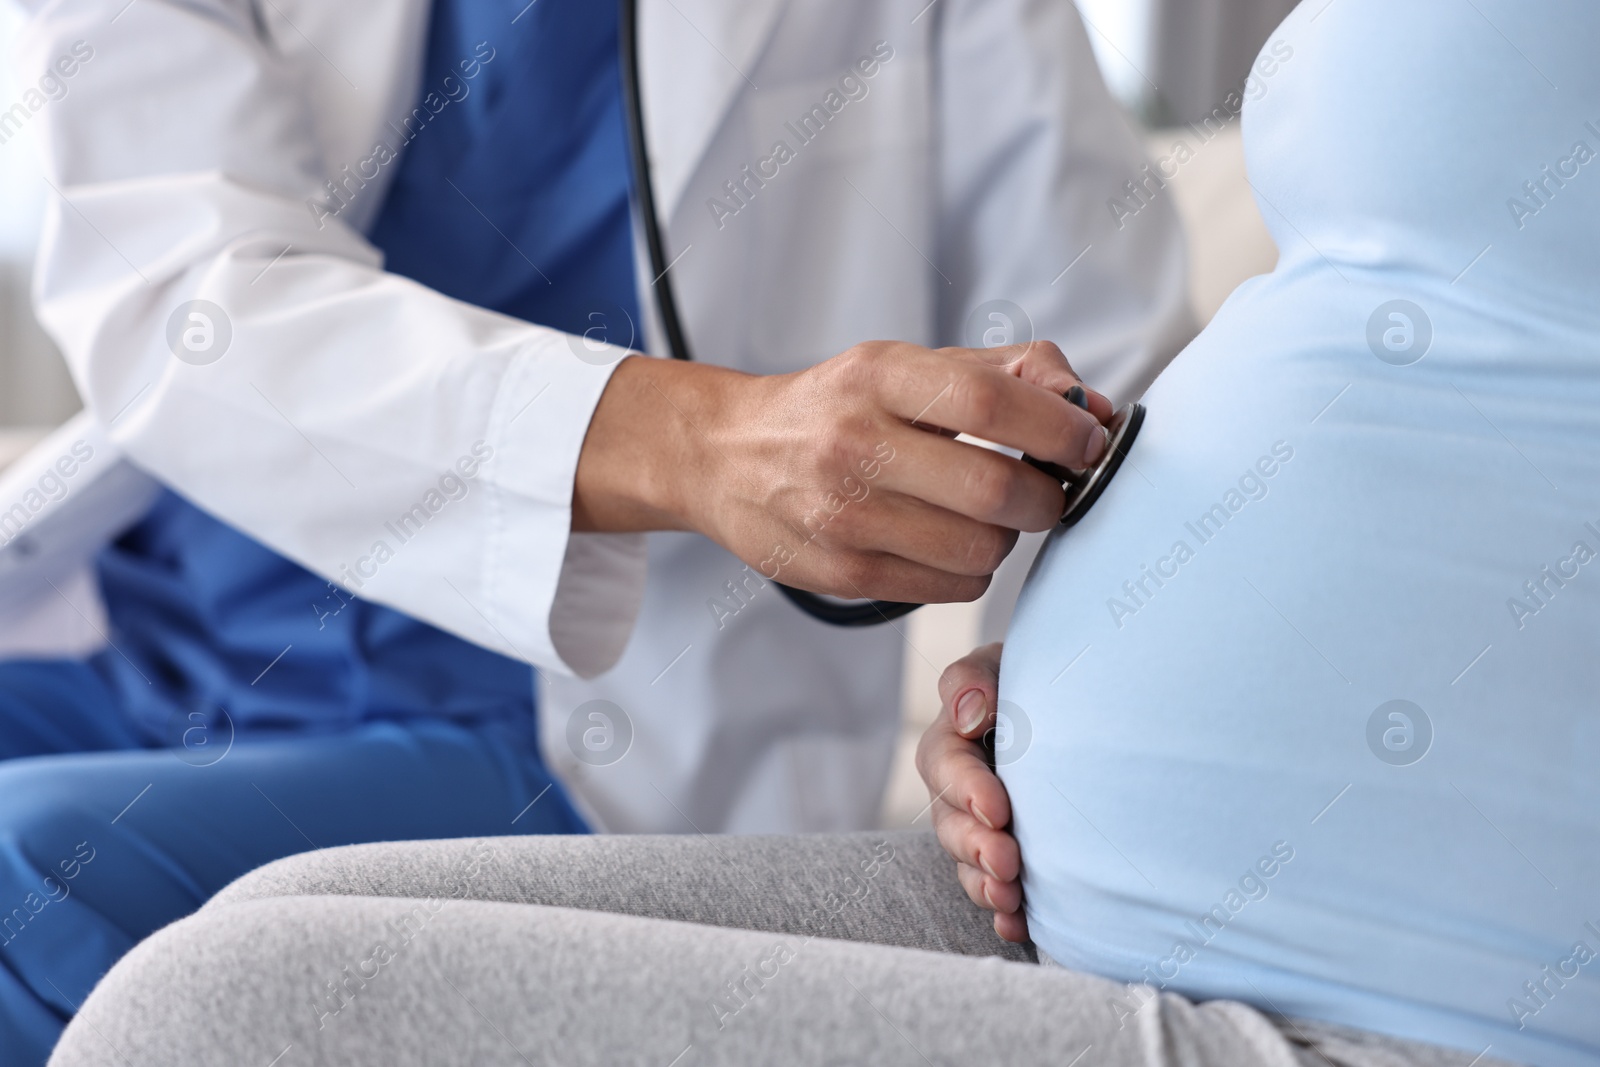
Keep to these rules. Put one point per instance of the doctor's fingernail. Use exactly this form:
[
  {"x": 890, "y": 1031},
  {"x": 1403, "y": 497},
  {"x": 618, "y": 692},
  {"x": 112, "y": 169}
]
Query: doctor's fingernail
[
  {"x": 1098, "y": 442},
  {"x": 1078, "y": 396},
  {"x": 971, "y": 710}
]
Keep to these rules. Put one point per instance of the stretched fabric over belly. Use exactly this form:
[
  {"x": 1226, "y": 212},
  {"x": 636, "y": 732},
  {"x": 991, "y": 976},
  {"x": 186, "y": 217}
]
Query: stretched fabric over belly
[{"x": 1304, "y": 713}]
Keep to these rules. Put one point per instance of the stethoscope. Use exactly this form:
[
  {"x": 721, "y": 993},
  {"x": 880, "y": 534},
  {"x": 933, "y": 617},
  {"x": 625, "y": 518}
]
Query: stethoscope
[{"x": 1083, "y": 487}]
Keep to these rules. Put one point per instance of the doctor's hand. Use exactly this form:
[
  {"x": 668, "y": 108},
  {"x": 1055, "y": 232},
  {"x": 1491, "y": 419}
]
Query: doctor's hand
[
  {"x": 970, "y": 809},
  {"x": 844, "y": 478}
]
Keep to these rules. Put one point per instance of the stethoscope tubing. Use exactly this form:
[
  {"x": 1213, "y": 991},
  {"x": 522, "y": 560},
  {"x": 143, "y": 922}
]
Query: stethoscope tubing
[
  {"x": 833, "y": 612},
  {"x": 1083, "y": 488}
]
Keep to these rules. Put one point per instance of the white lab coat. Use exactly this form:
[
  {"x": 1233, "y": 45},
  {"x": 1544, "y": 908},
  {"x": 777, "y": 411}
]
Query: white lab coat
[{"x": 978, "y": 165}]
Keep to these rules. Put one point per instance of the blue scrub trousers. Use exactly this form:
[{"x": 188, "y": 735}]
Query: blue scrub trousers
[{"x": 103, "y": 841}]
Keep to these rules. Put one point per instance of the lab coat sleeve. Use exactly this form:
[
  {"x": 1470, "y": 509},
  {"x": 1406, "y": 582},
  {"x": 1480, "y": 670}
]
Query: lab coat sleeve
[
  {"x": 414, "y": 449},
  {"x": 1034, "y": 154}
]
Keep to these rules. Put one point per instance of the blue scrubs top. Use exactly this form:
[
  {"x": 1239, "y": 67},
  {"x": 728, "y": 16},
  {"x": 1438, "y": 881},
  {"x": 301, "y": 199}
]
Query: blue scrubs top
[{"x": 514, "y": 196}]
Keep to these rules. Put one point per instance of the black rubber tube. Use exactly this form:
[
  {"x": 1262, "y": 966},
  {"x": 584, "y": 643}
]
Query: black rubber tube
[{"x": 847, "y": 613}]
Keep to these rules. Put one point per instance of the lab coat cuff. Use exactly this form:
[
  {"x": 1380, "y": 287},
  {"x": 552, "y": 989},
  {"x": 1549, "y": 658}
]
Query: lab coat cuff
[{"x": 564, "y": 600}]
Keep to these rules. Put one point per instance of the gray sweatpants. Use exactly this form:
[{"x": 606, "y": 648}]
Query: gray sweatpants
[{"x": 654, "y": 951}]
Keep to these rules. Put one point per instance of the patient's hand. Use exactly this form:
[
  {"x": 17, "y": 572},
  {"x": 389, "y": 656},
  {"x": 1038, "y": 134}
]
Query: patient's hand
[{"x": 970, "y": 808}]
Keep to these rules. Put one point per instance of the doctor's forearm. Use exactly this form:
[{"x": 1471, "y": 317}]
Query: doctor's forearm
[
  {"x": 645, "y": 446},
  {"x": 844, "y": 476}
]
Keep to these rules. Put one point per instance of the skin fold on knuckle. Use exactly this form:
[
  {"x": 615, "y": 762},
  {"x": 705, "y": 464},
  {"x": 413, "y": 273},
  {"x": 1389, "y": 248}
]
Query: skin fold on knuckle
[
  {"x": 935, "y": 587},
  {"x": 942, "y": 761},
  {"x": 1004, "y": 893},
  {"x": 1055, "y": 502},
  {"x": 927, "y": 754},
  {"x": 976, "y": 397},
  {"x": 1047, "y": 356},
  {"x": 966, "y": 590},
  {"x": 967, "y": 672},
  {"x": 988, "y": 549},
  {"x": 856, "y": 574},
  {"x": 970, "y": 554},
  {"x": 978, "y": 839},
  {"x": 847, "y": 438},
  {"x": 855, "y": 369},
  {"x": 971, "y": 880},
  {"x": 987, "y": 489},
  {"x": 951, "y": 838},
  {"x": 975, "y": 670}
]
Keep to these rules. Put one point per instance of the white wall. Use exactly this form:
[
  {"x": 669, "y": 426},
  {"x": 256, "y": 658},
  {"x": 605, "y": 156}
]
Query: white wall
[
  {"x": 1121, "y": 34},
  {"x": 34, "y": 387}
]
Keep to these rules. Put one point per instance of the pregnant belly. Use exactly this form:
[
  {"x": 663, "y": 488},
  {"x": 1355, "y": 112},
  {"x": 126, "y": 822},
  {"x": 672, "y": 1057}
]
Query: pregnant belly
[{"x": 1303, "y": 713}]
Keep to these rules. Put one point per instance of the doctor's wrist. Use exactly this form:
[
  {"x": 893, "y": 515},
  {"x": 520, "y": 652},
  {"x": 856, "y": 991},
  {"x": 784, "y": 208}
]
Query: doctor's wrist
[{"x": 646, "y": 458}]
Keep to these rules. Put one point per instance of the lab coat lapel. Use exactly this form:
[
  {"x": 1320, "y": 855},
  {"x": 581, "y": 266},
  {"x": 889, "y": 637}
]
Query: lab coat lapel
[{"x": 696, "y": 57}]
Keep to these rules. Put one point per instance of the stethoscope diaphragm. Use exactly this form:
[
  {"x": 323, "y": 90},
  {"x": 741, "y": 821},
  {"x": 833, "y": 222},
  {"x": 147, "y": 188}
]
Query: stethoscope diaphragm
[{"x": 1083, "y": 487}]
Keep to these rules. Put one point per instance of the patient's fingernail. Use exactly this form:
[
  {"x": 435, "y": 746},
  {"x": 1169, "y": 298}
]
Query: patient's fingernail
[
  {"x": 977, "y": 813},
  {"x": 1079, "y": 396},
  {"x": 983, "y": 861},
  {"x": 1098, "y": 443},
  {"x": 971, "y": 710},
  {"x": 990, "y": 898}
]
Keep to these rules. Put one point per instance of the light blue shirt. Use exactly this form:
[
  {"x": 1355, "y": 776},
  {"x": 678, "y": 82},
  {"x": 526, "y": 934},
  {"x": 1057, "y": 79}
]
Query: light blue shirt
[{"x": 1306, "y": 713}]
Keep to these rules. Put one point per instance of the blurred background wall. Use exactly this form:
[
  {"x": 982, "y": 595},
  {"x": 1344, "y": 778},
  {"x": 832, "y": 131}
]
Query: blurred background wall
[
  {"x": 1200, "y": 49},
  {"x": 1173, "y": 61},
  {"x": 35, "y": 390}
]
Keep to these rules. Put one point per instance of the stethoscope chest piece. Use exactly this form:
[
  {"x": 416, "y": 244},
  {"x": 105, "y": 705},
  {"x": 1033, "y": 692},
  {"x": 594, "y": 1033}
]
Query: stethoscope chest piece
[{"x": 1084, "y": 487}]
